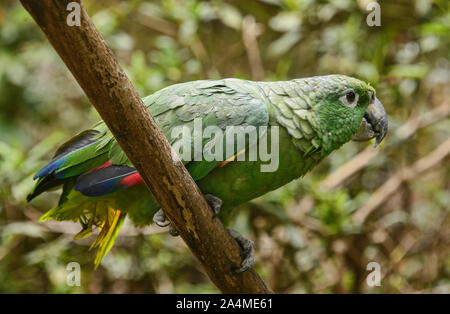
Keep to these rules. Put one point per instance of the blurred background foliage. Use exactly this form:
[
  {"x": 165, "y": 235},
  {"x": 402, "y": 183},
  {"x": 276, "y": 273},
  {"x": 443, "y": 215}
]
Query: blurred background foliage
[{"x": 315, "y": 235}]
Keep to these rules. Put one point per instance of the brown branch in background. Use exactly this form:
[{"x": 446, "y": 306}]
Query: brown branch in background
[
  {"x": 411, "y": 244},
  {"x": 391, "y": 186},
  {"x": 423, "y": 120},
  {"x": 348, "y": 169},
  {"x": 250, "y": 32},
  {"x": 93, "y": 65},
  {"x": 158, "y": 24}
]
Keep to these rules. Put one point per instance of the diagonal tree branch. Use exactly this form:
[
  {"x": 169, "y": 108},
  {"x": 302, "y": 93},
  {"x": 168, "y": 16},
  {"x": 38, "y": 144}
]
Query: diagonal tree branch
[
  {"x": 387, "y": 189},
  {"x": 93, "y": 65}
]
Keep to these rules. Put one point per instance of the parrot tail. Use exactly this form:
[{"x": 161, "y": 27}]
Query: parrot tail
[
  {"x": 82, "y": 167},
  {"x": 73, "y": 158},
  {"x": 91, "y": 214}
]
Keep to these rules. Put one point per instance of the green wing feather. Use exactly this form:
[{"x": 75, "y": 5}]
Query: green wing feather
[{"x": 222, "y": 103}]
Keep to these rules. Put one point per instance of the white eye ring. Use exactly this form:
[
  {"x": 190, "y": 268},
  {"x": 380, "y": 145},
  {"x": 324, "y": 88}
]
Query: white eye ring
[{"x": 344, "y": 99}]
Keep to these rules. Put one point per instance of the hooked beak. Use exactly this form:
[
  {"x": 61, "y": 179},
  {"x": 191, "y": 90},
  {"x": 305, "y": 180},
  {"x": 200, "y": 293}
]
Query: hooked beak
[{"x": 373, "y": 124}]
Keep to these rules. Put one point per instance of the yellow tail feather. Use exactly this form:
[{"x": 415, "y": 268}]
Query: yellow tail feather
[
  {"x": 91, "y": 214},
  {"x": 108, "y": 233}
]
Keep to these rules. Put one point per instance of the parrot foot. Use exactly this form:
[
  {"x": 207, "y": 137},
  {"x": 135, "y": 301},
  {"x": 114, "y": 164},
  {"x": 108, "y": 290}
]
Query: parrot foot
[
  {"x": 247, "y": 251},
  {"x": 214, "y": 202},
  {"x": 161, "y": 220}
]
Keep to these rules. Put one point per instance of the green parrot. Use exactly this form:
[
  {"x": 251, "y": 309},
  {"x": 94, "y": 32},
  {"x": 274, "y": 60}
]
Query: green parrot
[{"x": 301, "y": 121}]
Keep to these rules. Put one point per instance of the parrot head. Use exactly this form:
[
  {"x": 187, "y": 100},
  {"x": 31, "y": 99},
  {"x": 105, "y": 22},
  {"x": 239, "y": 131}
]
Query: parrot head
[{"x": 347, "y": 109}]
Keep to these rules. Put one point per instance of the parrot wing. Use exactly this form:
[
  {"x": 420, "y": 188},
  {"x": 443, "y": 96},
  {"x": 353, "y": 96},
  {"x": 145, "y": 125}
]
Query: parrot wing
[{"x": 219, "y": 103}]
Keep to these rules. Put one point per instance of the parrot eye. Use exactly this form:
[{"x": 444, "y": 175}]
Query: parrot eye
[
  {"x": 350, "y": 99},
  {"x": 350, "y": 96}
]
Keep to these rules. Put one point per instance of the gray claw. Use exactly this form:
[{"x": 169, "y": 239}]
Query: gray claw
[
  {"x": 214, "y": 202},
  {"x": 248, "y": 251},
  {"x": 160, "y": 219},
  {"x": 172, "y": 231}
]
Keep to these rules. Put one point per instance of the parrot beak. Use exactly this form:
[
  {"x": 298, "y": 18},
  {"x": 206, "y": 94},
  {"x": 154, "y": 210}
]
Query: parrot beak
[{"x": 373, "y": 124}]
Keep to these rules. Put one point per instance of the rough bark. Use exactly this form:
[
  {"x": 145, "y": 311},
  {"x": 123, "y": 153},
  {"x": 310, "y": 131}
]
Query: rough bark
[{"x": 93, "y": 65}]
